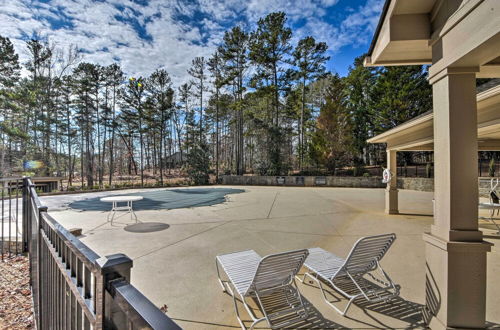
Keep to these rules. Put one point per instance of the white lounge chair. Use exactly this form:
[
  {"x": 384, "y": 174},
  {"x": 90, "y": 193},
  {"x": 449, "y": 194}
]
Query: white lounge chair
[
  {"x": 356, "y": 276},
  {"x": 261, "y": 279}
]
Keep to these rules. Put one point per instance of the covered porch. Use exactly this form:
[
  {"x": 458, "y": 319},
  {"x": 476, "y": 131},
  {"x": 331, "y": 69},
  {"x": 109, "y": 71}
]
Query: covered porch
[
  {"x": 460, "y": 40},
  {"x": 418, "y": 135}
]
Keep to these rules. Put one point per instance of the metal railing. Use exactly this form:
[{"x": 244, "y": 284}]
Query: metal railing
[
  {"x": 72, "y": 286},
  {"x": 10, "y": 241}
]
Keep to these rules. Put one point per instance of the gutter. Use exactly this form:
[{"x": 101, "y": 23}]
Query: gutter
[{"x": 379, "y": 27}]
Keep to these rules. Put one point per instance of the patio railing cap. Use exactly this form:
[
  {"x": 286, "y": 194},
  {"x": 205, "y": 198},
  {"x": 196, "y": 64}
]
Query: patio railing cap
[{"x": 114, "y": 263}]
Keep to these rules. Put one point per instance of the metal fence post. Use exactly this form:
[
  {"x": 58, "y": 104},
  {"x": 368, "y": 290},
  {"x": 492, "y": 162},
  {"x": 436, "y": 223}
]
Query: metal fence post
[
  {"x": 112, "y": 267},
  {"x": 42, "y": 278},
  {"x": 25, "y": 215}
]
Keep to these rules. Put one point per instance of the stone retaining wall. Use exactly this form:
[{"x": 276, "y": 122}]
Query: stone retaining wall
[
  {"x": 420, "y": 184},
  {"x": 307, "y": 181}
]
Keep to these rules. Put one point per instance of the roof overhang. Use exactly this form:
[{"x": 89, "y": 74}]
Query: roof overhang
[
  {"x": 403, "y": 34},
  {"x": 446, "y": 34},
  {"x": 418, "y": 134}
]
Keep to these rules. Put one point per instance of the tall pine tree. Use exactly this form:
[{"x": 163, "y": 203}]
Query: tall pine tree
[{"x": 310, "y": 61}]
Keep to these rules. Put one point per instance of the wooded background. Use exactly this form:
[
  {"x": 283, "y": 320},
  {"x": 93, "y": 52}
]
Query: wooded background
[{"x": 260, "y": 104}]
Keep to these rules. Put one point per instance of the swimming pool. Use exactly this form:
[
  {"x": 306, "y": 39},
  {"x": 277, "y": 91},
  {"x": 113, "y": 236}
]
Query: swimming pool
[{"x": 164, "y": 199}]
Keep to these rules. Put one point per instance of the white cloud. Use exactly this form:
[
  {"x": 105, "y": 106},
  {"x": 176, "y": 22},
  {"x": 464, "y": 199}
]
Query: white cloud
[
  {"x": 95, "y": 28},
  {"x": 295, "y": 10},
  {"x": 172, "y": 43}
]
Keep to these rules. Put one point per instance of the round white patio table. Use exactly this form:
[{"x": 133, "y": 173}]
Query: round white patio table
[{"x": 121, "y": 199}]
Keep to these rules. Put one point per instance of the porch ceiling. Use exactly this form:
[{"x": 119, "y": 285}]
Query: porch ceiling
[
  {"x": 418, "y": 133},
  {"x": 445, "y": 34}
]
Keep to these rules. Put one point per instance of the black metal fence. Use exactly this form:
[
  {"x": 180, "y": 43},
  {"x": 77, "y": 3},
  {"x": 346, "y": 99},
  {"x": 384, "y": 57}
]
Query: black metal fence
[
  {"x": 11, "y": 242},
  {"x": 72, "y": 286}
]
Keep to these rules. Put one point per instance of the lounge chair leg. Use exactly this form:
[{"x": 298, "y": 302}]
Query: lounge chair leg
[
  {"x": 322, "y": 290},
  {"x": 348, "y": 305},
  {"x": 238, "y": 313},
  {"x": 326, "y": 298},
  {"x": 254, "y": 323},
  {"x": 249, "y": 311},
  {"x": 306, "y": 313},
  {"x": 304, "y": 277},
  {"x": 218, "y": 276}
]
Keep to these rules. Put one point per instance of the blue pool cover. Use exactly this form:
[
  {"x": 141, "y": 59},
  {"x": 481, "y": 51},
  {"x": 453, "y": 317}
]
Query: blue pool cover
[{"x": 164, "y": 199}]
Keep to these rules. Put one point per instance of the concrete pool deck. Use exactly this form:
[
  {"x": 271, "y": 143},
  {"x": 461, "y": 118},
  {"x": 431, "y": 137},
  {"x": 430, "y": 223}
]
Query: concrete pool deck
[{"x": 174, "y": 265}]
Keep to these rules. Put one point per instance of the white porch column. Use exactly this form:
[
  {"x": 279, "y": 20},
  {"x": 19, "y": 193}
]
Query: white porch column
[
  {"x": 455, "y": 251},
  {"x": 391, "y": 191}
]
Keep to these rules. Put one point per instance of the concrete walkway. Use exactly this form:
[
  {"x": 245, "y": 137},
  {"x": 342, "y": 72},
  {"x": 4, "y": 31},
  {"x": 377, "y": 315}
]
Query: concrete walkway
[{"x": 174, "y": 250}]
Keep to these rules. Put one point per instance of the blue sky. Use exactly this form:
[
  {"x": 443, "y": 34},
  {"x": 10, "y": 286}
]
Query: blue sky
[{"x": 144, "y": 35}]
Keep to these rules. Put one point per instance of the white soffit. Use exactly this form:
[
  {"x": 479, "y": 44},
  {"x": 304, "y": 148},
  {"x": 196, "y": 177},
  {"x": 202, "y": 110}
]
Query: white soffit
[{"x": 403, "y": 36}]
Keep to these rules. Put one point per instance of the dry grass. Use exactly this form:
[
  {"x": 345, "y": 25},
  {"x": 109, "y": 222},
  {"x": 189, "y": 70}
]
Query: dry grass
[{"x": 15, "y": 294}]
